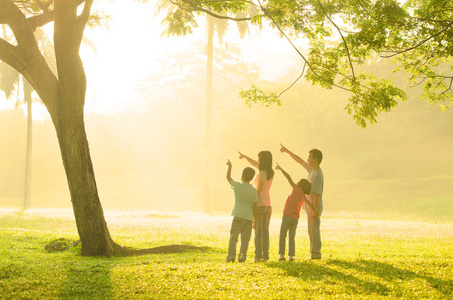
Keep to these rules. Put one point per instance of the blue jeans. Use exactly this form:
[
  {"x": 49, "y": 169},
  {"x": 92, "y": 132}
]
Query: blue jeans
[
  {"x": 262, "y": 232},
  {"x": 244, "y": 228},
  {"x": 314, "y": 232},
  {"x": 289, "y": 224}
]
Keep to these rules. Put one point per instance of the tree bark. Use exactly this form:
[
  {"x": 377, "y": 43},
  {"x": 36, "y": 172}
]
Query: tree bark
[{"x": 89, "y": 216}]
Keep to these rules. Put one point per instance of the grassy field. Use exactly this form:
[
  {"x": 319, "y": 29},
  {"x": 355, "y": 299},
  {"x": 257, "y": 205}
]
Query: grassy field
[{"x": 365, "y": 256}]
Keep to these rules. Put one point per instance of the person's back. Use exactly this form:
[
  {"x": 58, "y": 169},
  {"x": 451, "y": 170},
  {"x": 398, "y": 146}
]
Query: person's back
[
  {"x": 244, "y": 195},
  {"x": 264, "y": 198},
  {"x": 294, "y": 202},
  {"x": 316, "y": 177}
]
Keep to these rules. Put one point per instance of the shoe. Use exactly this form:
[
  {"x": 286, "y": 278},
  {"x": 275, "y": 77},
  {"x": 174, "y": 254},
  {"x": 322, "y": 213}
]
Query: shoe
[
  {"x": 257, "y": 260},
  {"x": 282, "y": 259},
  {"x": 229, "y": 260},
  {"x": 291, "y": 258}
]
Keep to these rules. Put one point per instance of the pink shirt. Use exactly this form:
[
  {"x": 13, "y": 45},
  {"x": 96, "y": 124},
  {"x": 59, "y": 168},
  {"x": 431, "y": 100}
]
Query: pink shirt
[
  {"x": 264, "y": 198},
  {"x": 294, "y": 202}
]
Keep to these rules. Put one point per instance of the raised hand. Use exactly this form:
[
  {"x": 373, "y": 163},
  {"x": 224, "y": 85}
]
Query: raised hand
[
  {"x": 229, "y": 163},
  {"x": 283, "y": 149}
]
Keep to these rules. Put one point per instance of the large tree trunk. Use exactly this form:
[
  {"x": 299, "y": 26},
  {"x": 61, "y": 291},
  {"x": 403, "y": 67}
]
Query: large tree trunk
[
  {"x": 91, "y": 225},
  {"x": 70, "y": 128}
]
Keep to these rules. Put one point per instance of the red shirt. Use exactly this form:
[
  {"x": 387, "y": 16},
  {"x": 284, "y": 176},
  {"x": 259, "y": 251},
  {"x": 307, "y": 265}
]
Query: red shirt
[{"x": 294, "y": 202}]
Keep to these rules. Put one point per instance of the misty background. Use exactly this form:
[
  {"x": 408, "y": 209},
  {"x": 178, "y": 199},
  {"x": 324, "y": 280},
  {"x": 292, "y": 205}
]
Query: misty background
[{"x": 146, "y": 129}]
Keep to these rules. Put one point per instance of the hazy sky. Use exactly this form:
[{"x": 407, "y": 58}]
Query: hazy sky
[{"x": 130, "y": 47}]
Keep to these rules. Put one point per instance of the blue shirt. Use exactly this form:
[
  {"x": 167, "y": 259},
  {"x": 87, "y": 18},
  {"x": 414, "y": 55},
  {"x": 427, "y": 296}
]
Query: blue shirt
[
  {"x": 244, "y": 195},
  {"x": 316, "y": 179}
]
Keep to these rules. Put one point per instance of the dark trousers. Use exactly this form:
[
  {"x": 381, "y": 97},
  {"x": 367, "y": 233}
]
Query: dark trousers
[
  {"x": 289, "y": 225},
  {"x": 262, "y": 232},
  {"x": 241, "y": 227}
]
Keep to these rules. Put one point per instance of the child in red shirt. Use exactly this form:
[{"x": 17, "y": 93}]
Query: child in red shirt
[{"x": 291, "y": 214}]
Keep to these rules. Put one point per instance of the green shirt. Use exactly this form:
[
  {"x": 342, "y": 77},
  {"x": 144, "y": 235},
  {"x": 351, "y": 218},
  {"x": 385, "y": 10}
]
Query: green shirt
[{"x": 244, "y": 195}]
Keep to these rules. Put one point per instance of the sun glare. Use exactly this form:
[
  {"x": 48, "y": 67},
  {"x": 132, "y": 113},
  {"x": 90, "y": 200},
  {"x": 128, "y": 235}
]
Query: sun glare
[
  {"x": 126, "y": 53},
  {"x": 126, "y": 50},
  {"x": 39, "y": 112},
  {"x": 5, "y": 103}
]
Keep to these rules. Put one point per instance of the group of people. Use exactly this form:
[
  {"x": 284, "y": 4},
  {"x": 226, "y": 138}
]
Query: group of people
[{"x": 252, "y": 206}]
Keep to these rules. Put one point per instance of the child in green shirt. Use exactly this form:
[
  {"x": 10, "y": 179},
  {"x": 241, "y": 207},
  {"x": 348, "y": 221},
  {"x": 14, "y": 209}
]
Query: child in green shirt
[{"x": 244, "y": 195}]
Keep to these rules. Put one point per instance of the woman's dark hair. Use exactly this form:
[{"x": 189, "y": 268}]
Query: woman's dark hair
[{"x": 265, "y": 161}]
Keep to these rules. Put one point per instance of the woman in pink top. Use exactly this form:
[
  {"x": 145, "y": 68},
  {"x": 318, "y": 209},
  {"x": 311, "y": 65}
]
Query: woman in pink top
[{"x": 262, "y": 209}]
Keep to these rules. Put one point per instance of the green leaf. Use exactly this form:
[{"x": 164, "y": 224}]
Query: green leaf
[{"x": 255, "y": 95}]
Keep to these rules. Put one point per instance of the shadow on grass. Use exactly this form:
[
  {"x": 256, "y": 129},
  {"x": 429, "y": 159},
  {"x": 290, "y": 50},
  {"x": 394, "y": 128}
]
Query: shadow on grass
[
  {"x": 63, "y": 244},
  {"x": 166, "y": 249},
  {"x": 389, "y": 272},
  {"x": 103, "y": 278},
  {"x": 91, "y": 277},
  {"x": 360, "y": 282}
]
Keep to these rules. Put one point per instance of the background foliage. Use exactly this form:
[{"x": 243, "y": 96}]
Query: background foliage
[{"x": 152, "y": 157}]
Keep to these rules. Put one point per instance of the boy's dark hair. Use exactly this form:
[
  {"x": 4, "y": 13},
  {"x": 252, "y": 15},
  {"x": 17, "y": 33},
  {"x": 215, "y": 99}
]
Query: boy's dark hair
[
  {"x": 305, "y": 185},
  {"x": 316, "y": 153},
  {"x": 247, "y": 174}
]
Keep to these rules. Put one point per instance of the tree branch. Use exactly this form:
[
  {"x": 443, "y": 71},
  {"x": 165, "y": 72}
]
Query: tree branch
[
  {"x": 418, "y": 44},
  {"x": 301, "y": 74},
  {"x": 449, "y": 87},
  {"x": 10, "y": 14},
  {"x": 342, "y": 37},
  {"x": 366, "y": 11},
  {"x": 26, "y": 57},
  {"x": 297, "y": 50},
  {"x": 10, "y": 55},
  {"x": 42, "y": 19},
  {"x": 82, "y": 20},
  {"x": 44, "y": 6},
  {"x": 206, "y": 11}
]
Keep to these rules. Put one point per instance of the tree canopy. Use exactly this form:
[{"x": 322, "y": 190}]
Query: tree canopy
[{"x": 339, "y": 37}]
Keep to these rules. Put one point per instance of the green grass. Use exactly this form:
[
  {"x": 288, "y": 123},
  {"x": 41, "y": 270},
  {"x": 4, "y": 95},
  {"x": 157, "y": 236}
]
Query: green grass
[{"x": 364, "y": 257}]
